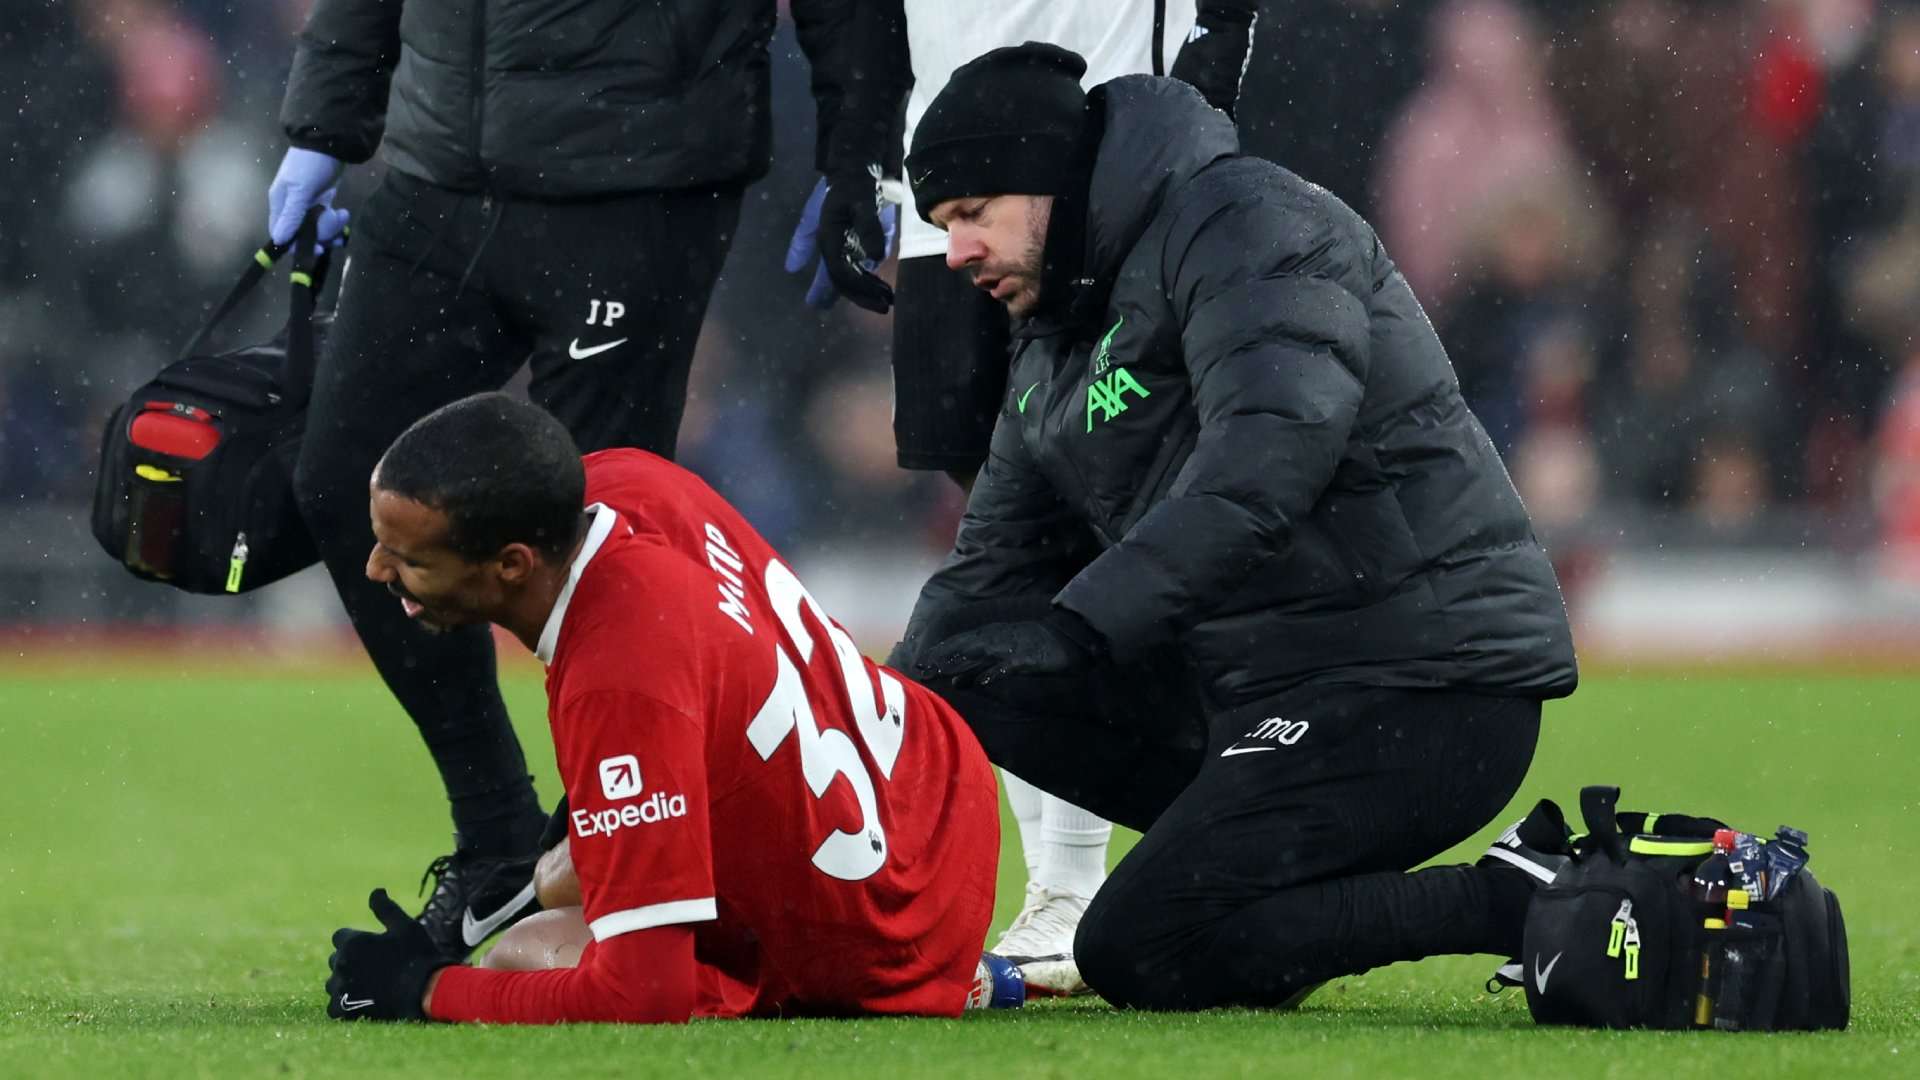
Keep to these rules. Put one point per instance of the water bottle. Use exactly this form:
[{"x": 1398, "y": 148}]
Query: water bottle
[{"x": 1712, "y": 879}]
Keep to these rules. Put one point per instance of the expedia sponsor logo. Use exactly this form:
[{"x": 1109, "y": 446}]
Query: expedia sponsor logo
[
  {"x": 620, "y": 777},
  {"x": 656, "y": 807}
]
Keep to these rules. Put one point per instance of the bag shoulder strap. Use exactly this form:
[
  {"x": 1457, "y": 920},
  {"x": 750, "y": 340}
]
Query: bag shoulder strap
[
  {"x": 257, "y": 266},
  {"x": 309, "y": 276}
]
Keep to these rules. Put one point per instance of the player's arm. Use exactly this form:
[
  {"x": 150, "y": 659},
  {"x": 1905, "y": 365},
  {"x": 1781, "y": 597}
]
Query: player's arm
[
  {"x": 643, "y": 977},
  {"x": 635, "y": 773},
  {"x": 1017, "y": 538},
  {"x": 1276, "y": 352},
  {"x": 336, "y": 102}
]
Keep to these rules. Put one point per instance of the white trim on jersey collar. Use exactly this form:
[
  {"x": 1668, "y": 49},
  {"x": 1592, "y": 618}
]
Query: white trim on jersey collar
[{"x": 604, "y": 519}]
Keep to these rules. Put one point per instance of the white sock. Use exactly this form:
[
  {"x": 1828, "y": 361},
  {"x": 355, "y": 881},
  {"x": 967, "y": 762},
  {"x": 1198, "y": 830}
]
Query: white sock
[
  {"x": 1024, "y": 799},
  {"x": 1073, "y": 847}
]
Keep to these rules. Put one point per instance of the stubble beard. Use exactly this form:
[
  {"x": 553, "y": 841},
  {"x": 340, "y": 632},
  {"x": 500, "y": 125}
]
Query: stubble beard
[{"x": 1026, "y": 300}]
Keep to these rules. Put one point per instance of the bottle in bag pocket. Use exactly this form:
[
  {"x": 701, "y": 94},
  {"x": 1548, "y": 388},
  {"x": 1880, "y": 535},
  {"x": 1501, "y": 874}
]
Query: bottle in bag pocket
[
  {"x": 1746, "y": 856},
  {"x": 1733, "y": 997},
  {"x": 1712, "y": 880}
]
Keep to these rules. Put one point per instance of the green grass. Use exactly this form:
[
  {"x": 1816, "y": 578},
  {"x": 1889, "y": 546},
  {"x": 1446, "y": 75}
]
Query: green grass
[{"x": 175, "y": 848}]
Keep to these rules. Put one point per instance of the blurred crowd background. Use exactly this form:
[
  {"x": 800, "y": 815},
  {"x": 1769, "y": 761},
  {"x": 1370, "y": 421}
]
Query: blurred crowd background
[{"x": 1672, "y": 247}]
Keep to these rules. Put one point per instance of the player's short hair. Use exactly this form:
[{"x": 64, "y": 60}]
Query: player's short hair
[{"x": 502, "y": 470}]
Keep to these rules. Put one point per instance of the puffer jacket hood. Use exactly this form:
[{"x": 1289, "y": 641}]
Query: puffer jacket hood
[{"x": 1137, "y": 164}]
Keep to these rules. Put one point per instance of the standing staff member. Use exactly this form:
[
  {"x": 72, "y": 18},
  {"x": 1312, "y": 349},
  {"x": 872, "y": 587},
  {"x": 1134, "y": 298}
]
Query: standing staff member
[
  {"x": 950, "y": 341},
  {"x": 562, "y": 183},
  {"x": 1233, "y": 485}
]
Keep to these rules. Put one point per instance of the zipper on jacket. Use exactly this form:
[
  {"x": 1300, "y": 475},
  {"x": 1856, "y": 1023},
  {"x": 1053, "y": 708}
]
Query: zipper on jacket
[{"x": 478, "y": 70}]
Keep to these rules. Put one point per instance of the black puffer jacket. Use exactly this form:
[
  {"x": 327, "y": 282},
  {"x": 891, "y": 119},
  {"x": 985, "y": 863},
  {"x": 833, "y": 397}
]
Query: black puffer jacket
[
  {"x": 1258, "y": 453},
  {"x": 554, "y": 98}
]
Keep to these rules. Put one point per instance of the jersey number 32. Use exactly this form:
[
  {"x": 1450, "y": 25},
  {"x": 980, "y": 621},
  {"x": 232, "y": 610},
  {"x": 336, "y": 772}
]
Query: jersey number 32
[{"x": 827, "y": 753}]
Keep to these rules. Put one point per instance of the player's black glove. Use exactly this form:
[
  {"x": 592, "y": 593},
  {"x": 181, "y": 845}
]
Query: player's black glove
[
  {"x": 1058, "y": 643},
  {"x": 1214, "y": 58},
  {"x": 382, "y": 976}
]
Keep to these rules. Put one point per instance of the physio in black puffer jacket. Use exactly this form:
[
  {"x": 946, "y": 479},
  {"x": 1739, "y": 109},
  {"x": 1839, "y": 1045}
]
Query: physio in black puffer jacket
[
  {"x": 563, "y": 179},
  {"x": 1242, "y": 569}
]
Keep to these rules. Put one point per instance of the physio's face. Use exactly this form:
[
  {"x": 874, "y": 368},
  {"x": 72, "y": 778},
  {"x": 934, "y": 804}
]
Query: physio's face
[
  {"x": 436, "y": 587},
  {"x": 999, "y": 240}
]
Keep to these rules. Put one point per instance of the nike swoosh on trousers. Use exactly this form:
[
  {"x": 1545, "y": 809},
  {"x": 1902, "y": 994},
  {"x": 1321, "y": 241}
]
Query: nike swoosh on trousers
[{"x": 574, "y": 350}]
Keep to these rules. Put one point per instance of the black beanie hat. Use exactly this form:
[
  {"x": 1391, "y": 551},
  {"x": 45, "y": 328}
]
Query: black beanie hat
[{"x": 1005, "y": 124}]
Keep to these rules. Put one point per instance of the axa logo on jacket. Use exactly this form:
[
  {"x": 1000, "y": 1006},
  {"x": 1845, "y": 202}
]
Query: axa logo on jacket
[{"x": 1107, "y": 393}]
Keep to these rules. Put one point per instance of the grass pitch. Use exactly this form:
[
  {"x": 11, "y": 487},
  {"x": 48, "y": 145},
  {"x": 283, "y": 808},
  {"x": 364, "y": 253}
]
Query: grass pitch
[{"x": 177, "y": 845}]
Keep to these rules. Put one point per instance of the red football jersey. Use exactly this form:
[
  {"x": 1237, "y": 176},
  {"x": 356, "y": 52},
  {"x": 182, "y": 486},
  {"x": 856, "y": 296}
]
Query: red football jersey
[{"x": 827, "y": 828}]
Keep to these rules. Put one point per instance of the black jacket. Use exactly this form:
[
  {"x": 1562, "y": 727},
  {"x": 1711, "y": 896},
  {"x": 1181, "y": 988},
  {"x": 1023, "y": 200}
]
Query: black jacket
[
  {"x": 554, "y": 98},
  {"x": 1255, "y": 450}
]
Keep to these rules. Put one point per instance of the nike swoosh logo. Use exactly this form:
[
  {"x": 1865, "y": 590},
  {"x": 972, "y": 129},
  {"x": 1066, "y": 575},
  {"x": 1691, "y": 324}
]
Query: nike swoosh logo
[
  {"x": 348, "y": 1004},
  {"x": 1540, "y": 974},
  {"x": 574, "y": 350},
  {"x": 474, "y": 931},
  {"x": 1023, "y": 397},
  {"x": 1232, "y": 750}
]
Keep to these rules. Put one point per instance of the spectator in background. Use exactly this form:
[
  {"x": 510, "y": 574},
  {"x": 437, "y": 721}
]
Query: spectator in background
[
  {"x": 1482, "y": 132},
  {"x": 1694, "y": 114},
  {"x": 1875, "y": 268},
  {"x": 1896, "y": 479}
]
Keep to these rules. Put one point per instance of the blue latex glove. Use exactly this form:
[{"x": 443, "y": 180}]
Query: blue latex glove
[
  {"x": 854, "y": 224},
  {"x": 306, "y": 179}
]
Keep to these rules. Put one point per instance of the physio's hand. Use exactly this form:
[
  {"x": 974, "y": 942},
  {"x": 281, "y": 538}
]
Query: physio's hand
[
  {"x": 846, "y": 230},
  {"x": 1059, "y": 643},
  {"x": 306, "y": 179},
  {"x": 382, "y": 976},
  {"x": 1215, "y": 60}
]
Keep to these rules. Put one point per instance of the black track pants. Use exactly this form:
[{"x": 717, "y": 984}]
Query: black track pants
[
  {"x": 1278, "y": 836},
  {"x": 448, "y": 294}
]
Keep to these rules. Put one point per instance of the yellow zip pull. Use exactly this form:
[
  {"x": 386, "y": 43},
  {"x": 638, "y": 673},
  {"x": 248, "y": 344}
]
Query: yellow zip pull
[{"x": 237, "y": 563}]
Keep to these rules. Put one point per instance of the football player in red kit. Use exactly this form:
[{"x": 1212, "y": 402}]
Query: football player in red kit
[{"x": 761, "y": 820}]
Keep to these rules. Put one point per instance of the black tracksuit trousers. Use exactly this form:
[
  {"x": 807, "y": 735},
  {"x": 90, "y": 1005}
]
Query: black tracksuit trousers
[
  {"x": 448, "y": 294},
  {"x": 1278, "y": 835}
]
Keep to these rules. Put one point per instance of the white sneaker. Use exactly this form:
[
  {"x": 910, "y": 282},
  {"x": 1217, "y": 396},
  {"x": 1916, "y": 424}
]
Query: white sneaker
[{"x": 1040, "y": 941}]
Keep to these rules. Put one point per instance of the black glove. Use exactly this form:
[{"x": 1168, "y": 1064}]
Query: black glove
[
  {"x": 837, "y": 225},
  {"x": 382, "y": 976},
  {"x": 1058, "y": 643},
  {"x": 1214, "y": 58},
  {"x": 856, "y": 231}
]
